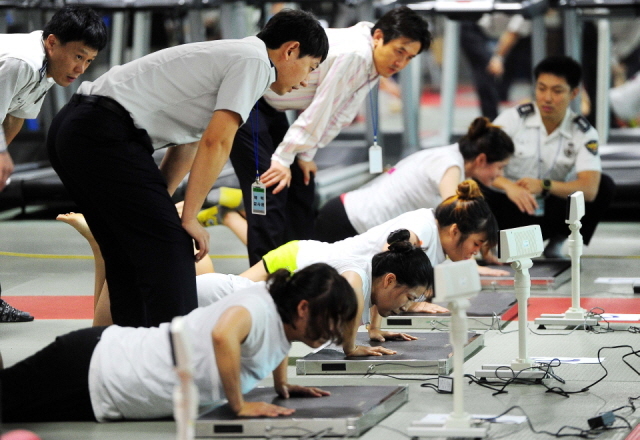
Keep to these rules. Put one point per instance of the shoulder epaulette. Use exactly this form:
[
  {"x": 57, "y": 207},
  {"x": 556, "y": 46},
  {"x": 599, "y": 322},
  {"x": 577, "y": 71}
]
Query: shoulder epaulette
[
  {"x": 582, "y": 123},
  {"x": 525, "y": 109}
]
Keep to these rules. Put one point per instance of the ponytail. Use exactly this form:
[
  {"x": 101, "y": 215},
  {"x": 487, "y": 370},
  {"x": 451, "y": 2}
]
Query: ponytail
[
  {"x": 484, "y": 137},
  {"x": 408, "y": 263},
  {"x": 470, "y": 212},
  {"x": 332, "y": 301}
]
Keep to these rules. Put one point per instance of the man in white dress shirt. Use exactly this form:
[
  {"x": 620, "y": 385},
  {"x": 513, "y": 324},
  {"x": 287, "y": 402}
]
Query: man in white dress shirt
[
  {"x": 358, "y": 57},
  {"x": 30, "y": 64},
  {"x": 192, "y": 99}
]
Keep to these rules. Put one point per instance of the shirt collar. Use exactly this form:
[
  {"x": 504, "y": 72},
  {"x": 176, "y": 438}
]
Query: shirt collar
[
  {"x": 45, "y": 63},
  {"x": 564, "y": 129}
]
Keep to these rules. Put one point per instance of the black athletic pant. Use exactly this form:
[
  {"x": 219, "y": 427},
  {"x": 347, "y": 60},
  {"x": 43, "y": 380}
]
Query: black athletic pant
[
  {"x": 53, "y": 384},
  {"x": 491, "y": 90},
  {"x": 290, "y": 213},
  {"x": 555, "y": 212},
  {"x": 106, "y": 164}
]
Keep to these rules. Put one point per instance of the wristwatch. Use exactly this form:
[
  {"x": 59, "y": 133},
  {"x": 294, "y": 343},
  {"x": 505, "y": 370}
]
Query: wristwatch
[{"x": 546, "y": 186}]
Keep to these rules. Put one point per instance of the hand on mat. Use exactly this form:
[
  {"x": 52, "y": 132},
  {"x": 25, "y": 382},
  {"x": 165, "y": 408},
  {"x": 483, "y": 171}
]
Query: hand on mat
[
  {"x": 364, "y": 350},
  {"x": 200, "y": 236},
  {"x": 260, "y": 409},
  {"x": 277, "y": 173},
  {"x": 381, "y": 336},
  {"x": 287, "y": 390},
  {"x": 491, "y": 272},
  {"x": 426, "y": 307}
]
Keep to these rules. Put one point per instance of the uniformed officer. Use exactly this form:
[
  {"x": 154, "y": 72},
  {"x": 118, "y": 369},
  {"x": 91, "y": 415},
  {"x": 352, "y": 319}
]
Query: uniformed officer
[
  {"x": 556, "y": 154},
  {"x": 30, "y": 64}
]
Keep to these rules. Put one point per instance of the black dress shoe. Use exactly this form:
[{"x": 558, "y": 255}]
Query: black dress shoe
[{"x": 11, "y": 314}]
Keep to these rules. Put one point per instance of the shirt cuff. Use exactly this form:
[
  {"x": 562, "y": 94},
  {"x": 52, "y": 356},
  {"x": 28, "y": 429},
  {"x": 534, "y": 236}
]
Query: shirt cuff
[{"x": 285, "y": 161}]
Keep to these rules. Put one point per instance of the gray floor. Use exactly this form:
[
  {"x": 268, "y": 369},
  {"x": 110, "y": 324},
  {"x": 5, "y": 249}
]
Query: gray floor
[{"x": 46, "y": 257}]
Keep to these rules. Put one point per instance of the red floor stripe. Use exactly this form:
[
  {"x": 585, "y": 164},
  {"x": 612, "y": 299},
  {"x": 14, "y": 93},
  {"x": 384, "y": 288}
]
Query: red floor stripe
[
  {"x": 538, "y": 306},
  {"x": 634, "y": 435},
  {"x": 54, "y": 307}
]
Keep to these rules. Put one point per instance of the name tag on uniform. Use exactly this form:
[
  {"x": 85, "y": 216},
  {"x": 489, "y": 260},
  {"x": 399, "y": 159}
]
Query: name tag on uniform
[
  {"x": 259, "y": 198},
  {"x": 375, "y": 159}
]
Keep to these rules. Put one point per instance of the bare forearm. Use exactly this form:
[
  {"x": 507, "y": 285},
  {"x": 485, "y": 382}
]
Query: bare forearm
[
  {"x": 280, "y": 373},
  {"x": 587, "y": 184},
  {"x": 11, "y": 126},
  {"x": 208, "y": 162},
  {"x": 228, "y": 362},
  {"x": 176, "y": 163}
]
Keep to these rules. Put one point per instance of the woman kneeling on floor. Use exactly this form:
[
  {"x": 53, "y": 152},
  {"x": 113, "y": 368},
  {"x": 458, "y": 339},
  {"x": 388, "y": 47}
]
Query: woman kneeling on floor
[{"x": 113, "y": 373}]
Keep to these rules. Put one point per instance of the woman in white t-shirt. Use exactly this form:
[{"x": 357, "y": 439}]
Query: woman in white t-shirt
[
  {"x": 114, "y": 373},
  {"x": 385, "y": 283},
  {"x": 421, "y": 180}
]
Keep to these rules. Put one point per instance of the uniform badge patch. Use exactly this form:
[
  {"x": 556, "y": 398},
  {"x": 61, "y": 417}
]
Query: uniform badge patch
[
  {"x": 525, "y": 109},
  {"x": 583, "y": 123},
  {"x": 569, "y": 150},
  {"x": 592, "y": 146}
]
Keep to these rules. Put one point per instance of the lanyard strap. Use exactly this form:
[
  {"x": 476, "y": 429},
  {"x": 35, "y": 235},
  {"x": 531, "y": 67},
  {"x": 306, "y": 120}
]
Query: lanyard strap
[
  {"x": 555, "y": 159},
  {"x": 374, "y": 115},
  {"x": 254, "y": 132}
]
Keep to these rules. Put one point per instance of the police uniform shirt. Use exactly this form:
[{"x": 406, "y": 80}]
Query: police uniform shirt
[
  {"x": 173, "y": 93},
  {"x": 573, "y": 146},
  {"x": 23, "y": 74}
]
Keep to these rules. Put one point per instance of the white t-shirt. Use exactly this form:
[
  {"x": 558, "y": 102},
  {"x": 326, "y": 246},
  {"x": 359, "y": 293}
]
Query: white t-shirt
[
  {"x": 131, "y": 373},
  {"x": 412, "y": 184},
  {"x": 173, "y": 93},
  {"x": 573, "y": 146},
  {"x": 362, "y": 267},
  {"x": 364, "y": 246},
  {"x": 23, "y": 74},
  {"x": 213, "y": 286}
]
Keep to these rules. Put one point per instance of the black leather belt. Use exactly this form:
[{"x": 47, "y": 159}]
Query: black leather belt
[{"x": 104, "y": 102}]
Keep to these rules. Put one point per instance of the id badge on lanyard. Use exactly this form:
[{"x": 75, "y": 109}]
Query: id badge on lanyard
[
  {"x": 375, "y": 151},
  {"x": 258, "y": 198},
  {"x": 258, "y": 190},
  {"x": 375, "y": 159}
]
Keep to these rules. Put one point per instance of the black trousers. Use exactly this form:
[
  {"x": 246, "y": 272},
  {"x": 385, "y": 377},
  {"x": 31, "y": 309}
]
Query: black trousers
[
  {"x": 106, "y": 164},
  {"x": 555, "y": 212},
  {"x": 491, "y": 90},
  {"x": 53, "y": 384},
  {"x": 332, "y": 223},
  {"x": 290, "y": 213}
]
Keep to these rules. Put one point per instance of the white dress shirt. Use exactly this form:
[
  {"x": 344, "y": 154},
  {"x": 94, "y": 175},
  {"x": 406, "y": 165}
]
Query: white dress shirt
[
  {"x": 332, "y": 99},
  {"x": 173, "y": 93},
  {"x": 23, "y": 71}
]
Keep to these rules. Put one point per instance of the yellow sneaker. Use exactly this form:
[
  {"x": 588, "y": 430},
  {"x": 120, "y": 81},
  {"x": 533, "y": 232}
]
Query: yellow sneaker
[{"x": 209, "y": 216}]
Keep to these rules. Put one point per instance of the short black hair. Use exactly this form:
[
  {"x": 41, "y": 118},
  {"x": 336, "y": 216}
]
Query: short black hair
[
  {"x": 77, "y": 23},
  {"x": 296, "y": 25},
  {"x": 561, "y": 66},
  {"x": 404, "y": 22}
]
